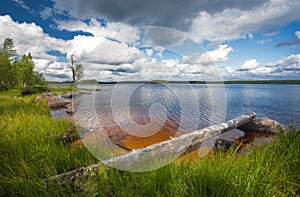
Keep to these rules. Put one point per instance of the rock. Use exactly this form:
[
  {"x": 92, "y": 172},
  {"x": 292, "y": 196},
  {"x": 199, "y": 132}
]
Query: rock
[
  {"x": 69, "y": 110},
  {"x": 264, "y": 125},
  {"x": 68, "y": 105},
  {"x": 57, "y": 104},
  {"x": 67, "y": 95},
  {"x": 53, "y": 101},
  {"x": 229, "y": 139},
  {"x": 46, "y": 95}
]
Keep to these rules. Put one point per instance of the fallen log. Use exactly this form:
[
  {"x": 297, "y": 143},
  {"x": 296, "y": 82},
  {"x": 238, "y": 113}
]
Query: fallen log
[{"x": 163, "y": 152}]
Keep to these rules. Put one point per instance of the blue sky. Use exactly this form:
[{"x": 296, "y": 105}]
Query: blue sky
[{"x": 124, "y": 40}]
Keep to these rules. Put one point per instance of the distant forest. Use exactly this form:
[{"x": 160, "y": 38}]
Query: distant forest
[{"x": 254, "y": 82}]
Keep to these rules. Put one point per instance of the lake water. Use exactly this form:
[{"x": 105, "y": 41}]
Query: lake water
[
  {"x": 279, "y": 102},
  {"x": 137, "y": 115}
]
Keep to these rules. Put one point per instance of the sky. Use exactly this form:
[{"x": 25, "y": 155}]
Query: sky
[{"x": 117, "y": 40}]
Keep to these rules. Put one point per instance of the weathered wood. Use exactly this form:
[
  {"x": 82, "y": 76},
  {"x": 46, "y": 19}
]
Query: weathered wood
[{"x": 137, "y": 160}]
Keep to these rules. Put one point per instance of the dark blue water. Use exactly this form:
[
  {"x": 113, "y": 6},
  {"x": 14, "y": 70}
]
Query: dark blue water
[{"x": 279, "y": 102}]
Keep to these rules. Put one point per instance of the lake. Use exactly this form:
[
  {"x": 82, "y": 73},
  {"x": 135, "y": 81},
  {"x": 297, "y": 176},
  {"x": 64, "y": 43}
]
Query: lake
[{"x": 137, "y": 115}]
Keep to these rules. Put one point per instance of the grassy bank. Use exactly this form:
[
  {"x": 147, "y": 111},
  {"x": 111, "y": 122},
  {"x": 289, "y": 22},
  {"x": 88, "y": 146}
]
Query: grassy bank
[{"x": 31, "y": 150}]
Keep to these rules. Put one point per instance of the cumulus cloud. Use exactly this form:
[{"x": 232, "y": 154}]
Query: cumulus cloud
[
  {"x": 249, "y": 65},
  {"x": 285, "y": 68},
  {"x": 233, "y": 23},
  {"x": 218, "y": 55},
  {"x": 29, "y": 37},
  {"x": 291, "y": 62}
]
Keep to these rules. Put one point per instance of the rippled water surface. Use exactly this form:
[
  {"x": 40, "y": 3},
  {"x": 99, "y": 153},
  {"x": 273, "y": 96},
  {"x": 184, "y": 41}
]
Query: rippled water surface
[
  {"x": 138, "y": 115},
  {"x": 279, "y": 102}
]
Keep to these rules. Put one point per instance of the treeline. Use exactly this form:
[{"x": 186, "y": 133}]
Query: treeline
[
  {"x": 264, "y": 82},
  {"x": 16, "y": 71},
  {"x": 250, "y": 82}
]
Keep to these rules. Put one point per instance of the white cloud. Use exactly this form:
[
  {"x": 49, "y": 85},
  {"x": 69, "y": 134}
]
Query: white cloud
[
  {"x": 81, "y": 46},
  {"x": 232, "y": 23},
  {"x": 119, "y": 31},
  {"x": 291, "y": 62},
  {"x": 297, "y": 33},
  {"x": 29, "y": 37},
  {"x": 284, "y": 68},
  {"x": 214, "y": 56},
  {"x": 111, "y": 52},
  {"x": 250, "y": 65},
  {"x": 261, "y": 70}
]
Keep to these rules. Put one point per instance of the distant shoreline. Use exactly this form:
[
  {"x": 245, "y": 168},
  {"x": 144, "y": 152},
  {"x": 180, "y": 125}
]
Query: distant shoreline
[{"x": 287, "y": 82}]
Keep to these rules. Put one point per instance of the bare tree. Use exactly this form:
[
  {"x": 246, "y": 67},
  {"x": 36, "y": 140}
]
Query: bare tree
[{"x": 77, "y": 69}]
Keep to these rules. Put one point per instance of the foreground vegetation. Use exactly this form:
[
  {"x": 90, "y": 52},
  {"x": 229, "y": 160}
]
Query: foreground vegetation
[{"x": 31, "y": 149}]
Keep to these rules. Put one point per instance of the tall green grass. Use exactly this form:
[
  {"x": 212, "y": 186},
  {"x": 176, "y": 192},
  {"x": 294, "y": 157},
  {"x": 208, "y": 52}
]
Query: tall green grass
[
  {"x": 29, "y": 146},
  {"x": 30, "y": 151},
  {"x": 272, "y": 170}
]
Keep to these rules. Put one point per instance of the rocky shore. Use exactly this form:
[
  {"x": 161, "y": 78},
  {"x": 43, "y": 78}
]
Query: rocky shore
[{"x": 56, "y": 102}]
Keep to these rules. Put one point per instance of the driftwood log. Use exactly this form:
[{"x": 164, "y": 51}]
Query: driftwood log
[{"x": 142, "y": 159}]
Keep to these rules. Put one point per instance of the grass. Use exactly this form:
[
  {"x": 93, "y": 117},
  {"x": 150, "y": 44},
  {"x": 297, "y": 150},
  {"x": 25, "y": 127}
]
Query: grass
[
  {"x": 30, "y": 150},
  {"x": 61, "y": 89}
]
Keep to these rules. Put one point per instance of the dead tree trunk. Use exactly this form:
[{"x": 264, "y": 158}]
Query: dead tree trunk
[{"x": 137, "y": 159}]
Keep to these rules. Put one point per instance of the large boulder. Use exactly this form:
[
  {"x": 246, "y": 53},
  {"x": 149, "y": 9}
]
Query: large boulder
[{"x": 263, "y": 125}]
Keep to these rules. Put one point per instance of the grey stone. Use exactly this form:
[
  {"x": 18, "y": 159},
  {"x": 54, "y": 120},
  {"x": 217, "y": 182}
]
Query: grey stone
[{"x": 263, "y": 126}]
